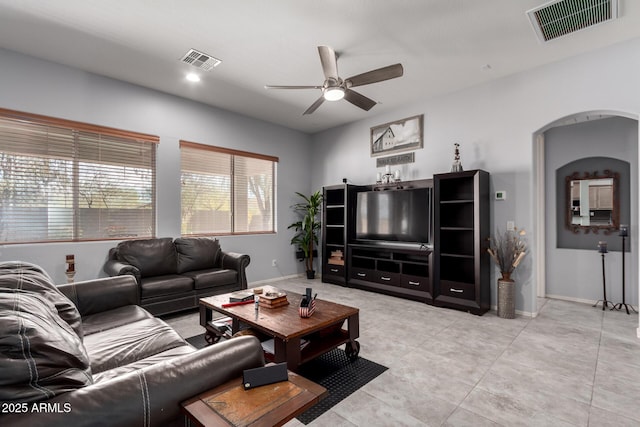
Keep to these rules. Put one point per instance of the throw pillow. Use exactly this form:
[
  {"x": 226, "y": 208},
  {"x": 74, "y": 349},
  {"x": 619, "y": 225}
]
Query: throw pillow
[
  {"x": 41, "y": 354},
  {"x": 30, "y": 277}
]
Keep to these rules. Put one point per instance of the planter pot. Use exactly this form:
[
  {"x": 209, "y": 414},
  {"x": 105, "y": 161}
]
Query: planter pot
[
  {"x": 311, "y": 274},
  {"x": 506, "y": 298}
]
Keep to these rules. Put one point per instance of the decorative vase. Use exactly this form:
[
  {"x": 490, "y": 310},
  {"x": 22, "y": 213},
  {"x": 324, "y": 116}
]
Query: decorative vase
[{"x": 506, "y": 297}]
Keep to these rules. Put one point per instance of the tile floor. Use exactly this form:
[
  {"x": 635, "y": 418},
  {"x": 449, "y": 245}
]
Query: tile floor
[{"x": 573, "y": 365}]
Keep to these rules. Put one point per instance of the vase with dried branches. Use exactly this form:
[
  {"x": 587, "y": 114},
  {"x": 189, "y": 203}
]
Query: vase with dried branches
[{"x": 507, "y": 250}]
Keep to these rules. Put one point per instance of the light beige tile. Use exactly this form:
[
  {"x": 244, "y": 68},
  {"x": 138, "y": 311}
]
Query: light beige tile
[
  {"x": 509, "y": 411},
  {"x": 463, "y": 418},
  {"x": 571, "y": 365}
]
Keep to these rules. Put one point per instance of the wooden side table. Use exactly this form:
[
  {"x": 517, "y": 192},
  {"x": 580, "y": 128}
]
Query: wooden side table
[{"x": 271, "y": 405}]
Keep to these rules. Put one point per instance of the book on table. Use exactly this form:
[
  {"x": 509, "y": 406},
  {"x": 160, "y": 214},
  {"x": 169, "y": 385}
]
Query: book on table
[
  {"x": 241, "y": 296},
  {"x": 273, "y": 299}
]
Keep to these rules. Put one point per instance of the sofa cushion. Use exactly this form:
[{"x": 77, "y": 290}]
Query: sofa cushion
[
  {"x": 111, "y": 319},
  {"x": 165, "y": 285},
  {"x": 32, "y": 278},
  {"x": 196, "y": 253},
  {"x": 143, "y": 363},
  {"x": 212, "y": 277},
  {"x": 42, "y": 356},
  {"x": 153, "y": 257},
  {"x": 130, "y": 343}
]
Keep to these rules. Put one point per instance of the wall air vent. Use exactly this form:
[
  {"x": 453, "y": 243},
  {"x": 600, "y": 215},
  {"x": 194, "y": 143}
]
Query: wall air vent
[
  {"x": 200, "y": 60},
  {"x": 562, "y": 17}
]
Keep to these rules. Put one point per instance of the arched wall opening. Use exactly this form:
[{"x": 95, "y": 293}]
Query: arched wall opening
[{"x": 571, "y": 273}]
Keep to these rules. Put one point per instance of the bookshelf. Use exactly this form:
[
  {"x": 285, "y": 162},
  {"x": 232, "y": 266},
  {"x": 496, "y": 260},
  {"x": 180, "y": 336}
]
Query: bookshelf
[{"x": 461, "y": 232}]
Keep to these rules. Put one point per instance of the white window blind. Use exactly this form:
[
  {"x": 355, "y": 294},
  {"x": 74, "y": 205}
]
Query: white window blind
[
  {"x": 226, "y": 191},
  {"x": 68, "y": 181}
]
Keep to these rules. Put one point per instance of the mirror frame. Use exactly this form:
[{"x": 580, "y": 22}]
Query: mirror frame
[{"x": 615, "y": 214}]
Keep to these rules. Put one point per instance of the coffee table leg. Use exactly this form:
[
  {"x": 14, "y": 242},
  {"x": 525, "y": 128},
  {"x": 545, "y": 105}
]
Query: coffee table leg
[
  {"x": 205, "y": 315},
  {"x": 352, "y": 348},
  {"x": 287, "y": 351}
]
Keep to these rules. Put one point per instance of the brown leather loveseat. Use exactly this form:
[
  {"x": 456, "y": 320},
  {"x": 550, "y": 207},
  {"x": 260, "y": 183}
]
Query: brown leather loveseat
[
  {"x": 86, "y": 354},
  {"x": 174, "y": 274}
]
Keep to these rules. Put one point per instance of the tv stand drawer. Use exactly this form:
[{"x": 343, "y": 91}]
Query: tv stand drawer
[
  {"x": 334, "y": 269},
  {"x": 458, "y": 289},
  {"x": 362, "y": 274},
  {"x": 418, "y": 283},
  {"x": 385, "y": 278}
]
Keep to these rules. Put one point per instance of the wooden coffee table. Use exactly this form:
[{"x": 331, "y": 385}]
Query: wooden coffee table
[
  {"x": 270, "y": 405},
  {"x": 324, "y": 330}
]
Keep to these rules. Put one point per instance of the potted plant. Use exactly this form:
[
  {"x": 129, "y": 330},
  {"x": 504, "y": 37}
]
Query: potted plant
[
  {"x": 507, "y": 250},
  {"x": 307, "y": 228}
]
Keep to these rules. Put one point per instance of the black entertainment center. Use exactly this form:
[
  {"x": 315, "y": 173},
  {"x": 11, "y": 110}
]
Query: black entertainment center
[{"x": 423, "y": 240}]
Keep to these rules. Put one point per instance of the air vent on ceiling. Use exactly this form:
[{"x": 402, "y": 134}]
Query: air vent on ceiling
[
  {"x": 562, "y": 17},
  {"x": 200, "y": 60}
]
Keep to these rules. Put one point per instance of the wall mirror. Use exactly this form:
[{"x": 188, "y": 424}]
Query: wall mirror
[{"x": 593, "y": 204}]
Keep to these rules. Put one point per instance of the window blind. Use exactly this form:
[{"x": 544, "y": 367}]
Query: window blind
[
  {"x": 226, "y": 191},
  {"x": 60, "y": 182}
]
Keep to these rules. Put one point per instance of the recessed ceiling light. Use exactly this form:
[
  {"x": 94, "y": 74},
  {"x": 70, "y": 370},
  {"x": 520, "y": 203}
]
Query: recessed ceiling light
[{"x": 192, "y": 77}]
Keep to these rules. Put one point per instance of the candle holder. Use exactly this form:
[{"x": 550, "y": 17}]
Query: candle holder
[
  {"x": 623, "y": 232},
  {"x": 602, "y": 250},
  {"x": 457, "y": 164},
  {"x": 388, "y": 177}
]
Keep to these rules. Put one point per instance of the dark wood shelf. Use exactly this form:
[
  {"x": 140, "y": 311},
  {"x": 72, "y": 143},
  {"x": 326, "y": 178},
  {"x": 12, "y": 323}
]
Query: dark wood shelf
[
  {"x": 461, "y": 231},
  {"x": 457, "y": 255},
  {"x": 445, "y": 202}
]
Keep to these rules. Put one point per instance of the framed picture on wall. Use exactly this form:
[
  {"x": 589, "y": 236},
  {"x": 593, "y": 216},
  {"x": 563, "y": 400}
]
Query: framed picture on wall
[{"x": 398, "y": 136}]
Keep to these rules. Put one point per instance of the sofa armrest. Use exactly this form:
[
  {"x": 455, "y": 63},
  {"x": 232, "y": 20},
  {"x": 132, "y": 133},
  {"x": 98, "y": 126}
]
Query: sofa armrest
[
  {"x": 238, "y": 262},
  {"x": 118, "y": 268},
  {"x": 150, "y": 396},
  {"x": 98, "y": 295}
]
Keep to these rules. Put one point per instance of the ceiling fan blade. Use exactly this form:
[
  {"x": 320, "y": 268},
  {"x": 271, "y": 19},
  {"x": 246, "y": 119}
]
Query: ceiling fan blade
[
  {"x": 359, "y": 100},
  {"x": 314, "y": 106},
  {"x": 329, "y": 62},
  {"x": 291, "y": 87},
  {"x": 374, "y": 76}
]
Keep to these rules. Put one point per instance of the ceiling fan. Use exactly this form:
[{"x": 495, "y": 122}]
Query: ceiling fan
[{"x": 334, "y": 88}]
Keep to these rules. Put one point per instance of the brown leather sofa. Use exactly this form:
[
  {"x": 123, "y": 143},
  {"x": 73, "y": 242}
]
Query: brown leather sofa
[
  {"x": 174, "y": 274},
  {"x": 86, "y": 354}
]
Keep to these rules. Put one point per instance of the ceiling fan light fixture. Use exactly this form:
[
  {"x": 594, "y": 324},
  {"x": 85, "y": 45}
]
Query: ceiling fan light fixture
[{"x": 334, "y": 93}]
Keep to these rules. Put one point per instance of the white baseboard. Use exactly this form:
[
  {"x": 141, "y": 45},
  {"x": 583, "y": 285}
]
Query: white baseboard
[
  {"x": 494, "y": 308},
  {"x": 580, "y": 300},
  {"x": 275, "y": 279}
]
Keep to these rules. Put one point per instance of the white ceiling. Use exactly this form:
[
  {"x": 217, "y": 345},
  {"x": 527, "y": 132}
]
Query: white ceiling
[{"x": 444, "y": 46}]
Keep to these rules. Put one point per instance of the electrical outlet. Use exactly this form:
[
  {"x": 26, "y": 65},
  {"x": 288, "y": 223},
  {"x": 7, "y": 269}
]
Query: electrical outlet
[
  {"x": 501, "y": 195},
  {"x": 511, "y": 226},
  {"x": 274, "y": 263}
]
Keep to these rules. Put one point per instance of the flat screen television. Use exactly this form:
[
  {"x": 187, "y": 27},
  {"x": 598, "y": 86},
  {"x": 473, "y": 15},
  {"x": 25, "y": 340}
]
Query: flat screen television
[{"x": 394, "y": 215}]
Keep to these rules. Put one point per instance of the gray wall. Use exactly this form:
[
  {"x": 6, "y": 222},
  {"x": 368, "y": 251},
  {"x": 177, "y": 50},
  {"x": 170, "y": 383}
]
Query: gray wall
[
  {"x": 577, "y": 273},
  {"x": 496, "y": 124},
  {"x": 41, "y": 87}
]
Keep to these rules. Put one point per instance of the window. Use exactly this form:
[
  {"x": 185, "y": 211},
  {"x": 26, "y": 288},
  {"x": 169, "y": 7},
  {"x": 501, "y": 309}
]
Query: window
[
  {"x": 69, "y": 181},
  {"x": 226, "y": 191}
]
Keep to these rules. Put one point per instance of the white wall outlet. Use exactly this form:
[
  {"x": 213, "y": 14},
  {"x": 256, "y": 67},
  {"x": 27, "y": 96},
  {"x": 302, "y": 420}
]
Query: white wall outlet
[
  {"x": 274, "y": 263},
  {"x": 511, "y": 226},
  {"x": 501, "y": 195}
]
